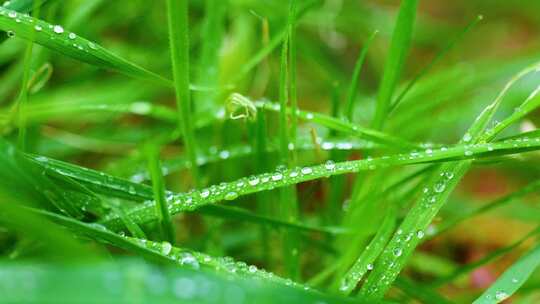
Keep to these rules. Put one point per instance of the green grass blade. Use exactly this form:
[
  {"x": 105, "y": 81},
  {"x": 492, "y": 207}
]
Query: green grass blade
[
  {"x": 512, "y": 279},
  {"x": 177, "y": 15},
  {"x": 23, "y": 96},
  {"x": 288, "y": 201},
  {"x": 435, "y": 60},
  {"x": 281, "y": 178},
  {"x": 158, "y": 186},
  {"x": 141, "y": 283},
  {"x": 399, "y": 48},
  {"x": 343, "y": 126},
  {"x": 352, "y": 91},
  {"x": 365, "y": 261},
  {"x": 165, "y": 252},
  {"x": 447, "y": 225},
  {"x": 56, "y": 38},
  {"x": 435, "y": 194},
  {"x": 483, "y": 261}
]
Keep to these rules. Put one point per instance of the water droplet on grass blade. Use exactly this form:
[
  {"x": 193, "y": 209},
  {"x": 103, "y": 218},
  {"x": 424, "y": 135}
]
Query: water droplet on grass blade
[
  {"x": 231, "y": 196},
  {"x": 501, "y": 295},
  {"x": 58, "y": 29},
  {"x": 439, "y": 187},
  {"x": 306, "y": 170},
  {"x": 166, "y": 248},
  {"x": 330, "y": 165}
]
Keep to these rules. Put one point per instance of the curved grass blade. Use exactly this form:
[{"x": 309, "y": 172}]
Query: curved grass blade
[
  {"x": 399, "y": 48},
  {"x": 364, "y": 263},
  {"x": 177, "y": 17},
  {"x": 56, "y": 38},
  {"x": 447, "y": 225},
  {"x": 141, "y": 282},
  {"x": 116, "y": 187},
  {"x": 435, "y": 194},
  {"x": 434, "y": 61},
  {"x": 158, "y": 187},
  {"x": 425, "y": 295},
  {"x": 269, "y": 181},
  {"x": 512, "y": 279},
  {"x": 483, "y": 261},
  {"x": 353, "y": 86},
  {"x": 342, "y": 126},
  {"x": 166, "y": 253}
]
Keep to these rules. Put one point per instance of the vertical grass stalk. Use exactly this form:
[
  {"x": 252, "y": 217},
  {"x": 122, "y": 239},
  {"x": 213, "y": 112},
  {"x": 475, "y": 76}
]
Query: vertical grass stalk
[
  {"x": 399, "y": 48},
  {"x": 158, "y": 187},
  {"x": 177, "y": 15},
  {"x": 353, "y": 87},
  {"x": 23, "y": 96}
]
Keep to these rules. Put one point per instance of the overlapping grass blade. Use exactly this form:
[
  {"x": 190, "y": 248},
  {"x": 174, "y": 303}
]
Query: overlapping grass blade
[
  {"x": 433, "y": 62},
  {"x": 512, "y": 279},
  {"x": 399, "y": 48},
  {"x": 485, "y": 260},
  {"x": 268, "y": 181},
  {"x": 352, "y": 91},
  {"x": 145, "y": 283},
  {"x": 158, "y": 187},
  {"x": 56, "y": 38},
  {"x": 111, "y": 186},
  {"x": 365, "y": 261},
  {"x": 435, "y": 194},
  {"x": 177, "y": 16},
  {"x": 345, "y": 127}
]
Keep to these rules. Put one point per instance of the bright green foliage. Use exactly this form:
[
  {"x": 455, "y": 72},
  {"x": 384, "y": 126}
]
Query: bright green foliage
[{"x": 299, "y": 151}]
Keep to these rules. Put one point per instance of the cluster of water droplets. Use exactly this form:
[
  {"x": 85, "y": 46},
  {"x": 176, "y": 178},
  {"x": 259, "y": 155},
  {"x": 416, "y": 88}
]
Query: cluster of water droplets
[
  {"x": 195, "y": 260},
  {"x": 53, "y": 31}
]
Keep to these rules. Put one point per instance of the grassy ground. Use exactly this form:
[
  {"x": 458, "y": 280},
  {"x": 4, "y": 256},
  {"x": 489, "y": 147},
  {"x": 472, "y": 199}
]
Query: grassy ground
[{"x": 310, "y": 151}]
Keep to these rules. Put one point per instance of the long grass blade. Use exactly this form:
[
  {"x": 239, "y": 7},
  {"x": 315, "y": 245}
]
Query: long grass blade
[
  {"x": 177, "y": 16},
  {"x": 399, "y": 48},
  {"x": 56, "y": 38},
  {"x": 512, "y": 279}
]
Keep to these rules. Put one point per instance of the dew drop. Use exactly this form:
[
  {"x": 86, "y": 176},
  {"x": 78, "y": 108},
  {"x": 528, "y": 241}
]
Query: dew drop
[
  {"x": 12, "y": 14},
  {"x": 468, "y": 153},
  {"x": 10, "y": 34},
  {"x": 189, "y": 260},
  {"x": 501, "y": 295},
  {"x": 231, "y": 195},
  {"x": 439, "y": 187},
  {"x": 309, "y": 116},
  {"x": 72, "y": 36},
  {"x": 467, "y": 137},
  {"x": 58, "y": 29},
  {"x": 253, "y": 181},
  {"x": 293, "y": 174},
  {"x": 306, "y": 170},
  {"x": 398, "y": 252},
  {"x": 277, "y": 177},
  {"x": 449, "y": 175},
  {"x": 369, "y": 266},
  {"x": 205, "y": 193},
  {"x": 38, "y": 28},
  {"x": 166, "y": 248},
  {"x": 330, "y": 165},
  {"x": 224, "y": 154},
  {"x": 420, "y": 234},
  {"x": 252, "y": 268}
]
